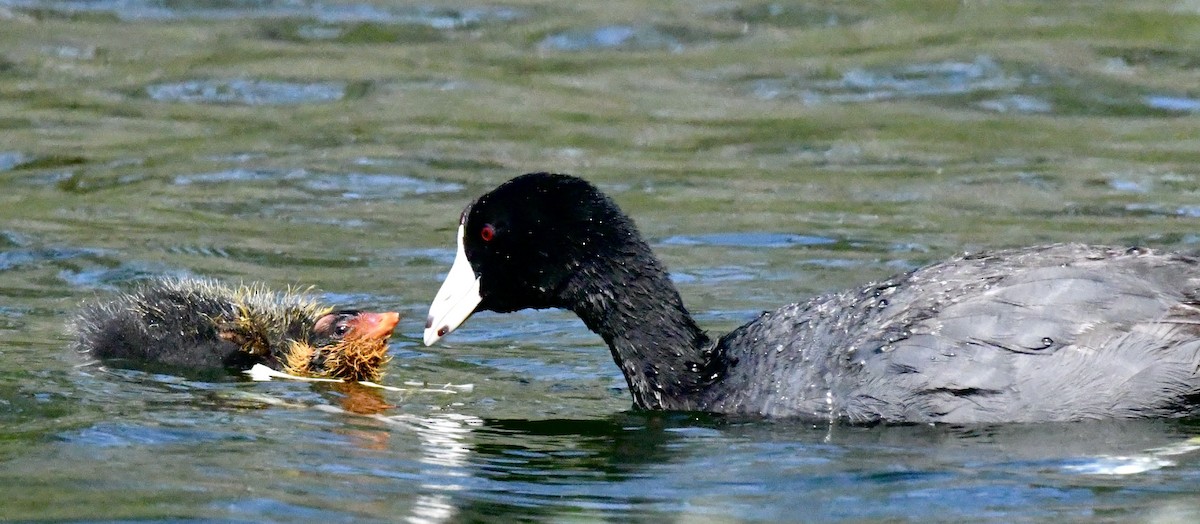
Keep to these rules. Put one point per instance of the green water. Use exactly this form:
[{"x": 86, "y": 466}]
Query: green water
[{"x": 769, "y": 150}]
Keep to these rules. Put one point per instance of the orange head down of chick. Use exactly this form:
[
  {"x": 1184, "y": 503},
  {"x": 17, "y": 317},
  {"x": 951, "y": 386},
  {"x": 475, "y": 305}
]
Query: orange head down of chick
[{"x": 350, "y": 345}]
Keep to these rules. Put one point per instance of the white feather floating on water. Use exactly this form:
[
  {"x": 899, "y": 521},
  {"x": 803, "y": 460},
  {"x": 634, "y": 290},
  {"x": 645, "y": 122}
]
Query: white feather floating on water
[
  {"x": 1151, "y": 460},
  {"x": 263, "y": 373}
]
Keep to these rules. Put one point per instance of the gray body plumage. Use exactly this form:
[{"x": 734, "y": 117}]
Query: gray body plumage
[{"x": 1061, "y": 332}]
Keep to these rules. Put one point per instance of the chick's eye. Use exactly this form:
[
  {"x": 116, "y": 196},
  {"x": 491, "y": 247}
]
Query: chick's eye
[
  {"x": 487, "y": 233},
  {"x": 341, "y": 329}
]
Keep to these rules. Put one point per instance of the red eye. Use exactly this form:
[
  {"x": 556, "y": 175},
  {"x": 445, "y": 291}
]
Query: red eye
[{"x": 487, "y": 233}]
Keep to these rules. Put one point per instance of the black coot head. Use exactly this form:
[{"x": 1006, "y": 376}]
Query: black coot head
[
  {"x": 520, "y": 245},
  {"x": 526, "y": 238}
]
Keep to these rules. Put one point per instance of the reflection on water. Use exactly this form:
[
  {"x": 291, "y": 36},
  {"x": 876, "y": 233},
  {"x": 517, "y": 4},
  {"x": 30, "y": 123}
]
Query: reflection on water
[
  {"x": 444, "y": 442},
  {"x": 447, "y": 452}
]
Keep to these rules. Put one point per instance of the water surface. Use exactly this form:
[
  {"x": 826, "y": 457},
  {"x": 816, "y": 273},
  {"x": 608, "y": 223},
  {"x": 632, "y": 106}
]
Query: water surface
[{"x": 769, "y": 151}]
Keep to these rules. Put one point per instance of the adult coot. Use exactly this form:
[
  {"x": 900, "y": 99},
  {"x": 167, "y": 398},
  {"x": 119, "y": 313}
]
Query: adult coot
[
  {"x": 1048, "y": 333},
  {"x": 200, "y": 325}
]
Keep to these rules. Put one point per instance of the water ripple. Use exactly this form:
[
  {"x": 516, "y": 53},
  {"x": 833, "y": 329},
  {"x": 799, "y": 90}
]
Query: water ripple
[
  {"x": 783, "y": 15},
  {"x": 1017, "y": 104},
  {"x": 368, "y": 185},
  {"x": 353, "y": 185},
  {"x": 982, "y": 83},
  {"x": 624, "y": 37},
  {"x": 11, "y": 159},
  {"x": 15, "y": 258},
  {"x": 249, "y": 92},
  {"x": 749, "y": 239},
  {"x": 713, "y": 274},
  {"x": 105, "y": 435},
  {"x": 128, "y": 10},
  {"x": 910, "y": 81},
  {"x": 1177, "y": 104}
]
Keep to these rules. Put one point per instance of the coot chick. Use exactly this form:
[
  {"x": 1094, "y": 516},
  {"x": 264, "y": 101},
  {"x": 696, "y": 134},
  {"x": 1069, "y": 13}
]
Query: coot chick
[
  {"x": 201, "y": 325},
  {"x": 1048, "y": 333}
]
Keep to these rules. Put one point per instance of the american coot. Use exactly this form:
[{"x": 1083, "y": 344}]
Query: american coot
[
  {"x": 197, "y": 325},
  {"x": 1048, "y": 333}
]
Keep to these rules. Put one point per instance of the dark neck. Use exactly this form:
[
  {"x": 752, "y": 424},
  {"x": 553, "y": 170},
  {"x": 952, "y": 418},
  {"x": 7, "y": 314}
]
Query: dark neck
[{"x": 630, "y": 302}]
